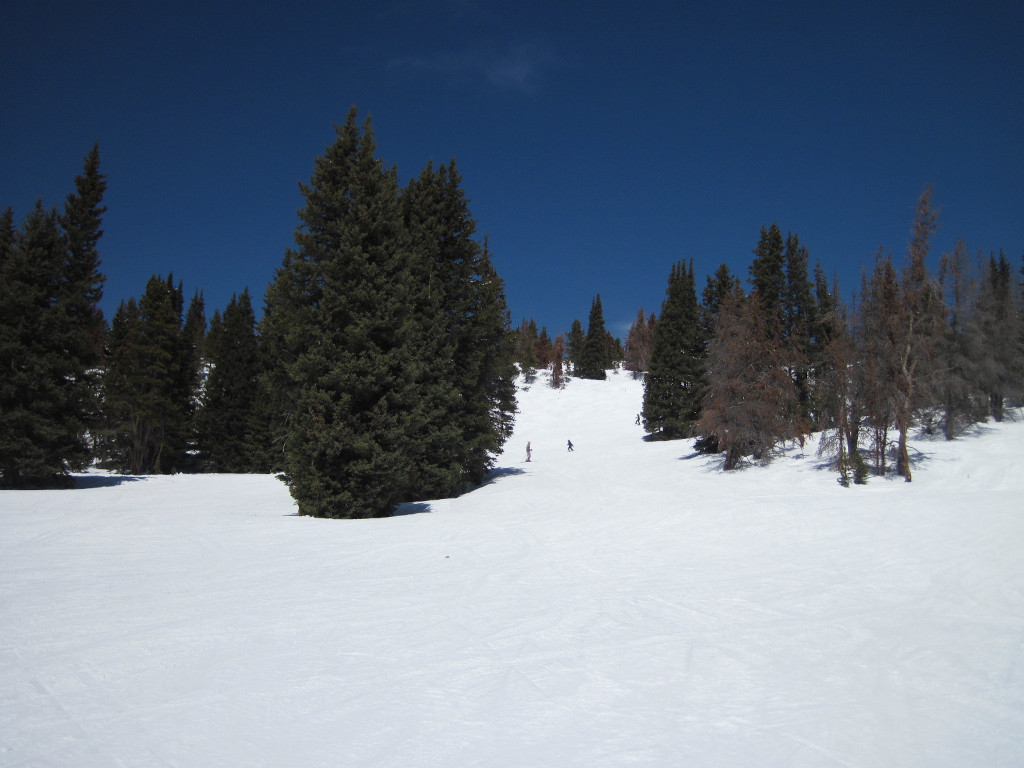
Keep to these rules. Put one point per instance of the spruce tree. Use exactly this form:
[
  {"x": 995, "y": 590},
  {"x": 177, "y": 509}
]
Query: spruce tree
[
  {"x": 41, "y": 438},
  {"x": 798, "y": 324},
  {"x": 719, "y": 288},
  {"x": 995, "y": 327},
  {"x": 557, "y": 365},
  {"x": 389, "y": 337},
  {"x": 594, "y": 358},
  {"x": 956, "y": 383},
  {"x": 193, "y": 338},
  {"x": 460, "y": 320},
  {"x": 823, "y": 327},
  {"x": 574, "y": 345},
  {"x": 768, "y": 278},
  {"x": 82, "y": 221},
  {"x": 227, "y": 419},
  {"x": 148, "y": 385},
  {"x": 340, "y": 316},
  {"x": 7, "y": 234},
  {"x": 526, "y": 348},
  {"x": 51, "y": 333},
  {"x": 614, "y": 352},
  {"x": 440, "y": 253},
  {"x": 674, "y": 385},
  {"x": 490, "y": 390}
]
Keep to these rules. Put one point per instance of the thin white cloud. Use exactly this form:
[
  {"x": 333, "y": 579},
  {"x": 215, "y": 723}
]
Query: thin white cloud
[{"x": 520, "y": 67}]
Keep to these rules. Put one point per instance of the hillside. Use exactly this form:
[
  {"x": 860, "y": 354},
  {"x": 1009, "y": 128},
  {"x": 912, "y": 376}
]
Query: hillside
[{"x": 624, "y": 604}]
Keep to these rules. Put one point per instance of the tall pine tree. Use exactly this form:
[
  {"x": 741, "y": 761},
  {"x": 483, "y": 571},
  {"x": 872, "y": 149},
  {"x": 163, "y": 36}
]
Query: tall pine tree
[
  {"x": 389, "y": 336},
  {"x": 41, "y": 437},
  {"x": 595, "y": 358},
  {"x": 149, "y": 386},
  {"x": 340, "y": 315},
  {"x": 51, "y": 332},
  {"x": 768, "y": 278},
  {"x": 462, "y": 324},
  {"x": 574, "y": 345},
  {"x": 228, "y": 425},
  {"x": 674, "y": 385},
  {"x": 995, "y": 326}
]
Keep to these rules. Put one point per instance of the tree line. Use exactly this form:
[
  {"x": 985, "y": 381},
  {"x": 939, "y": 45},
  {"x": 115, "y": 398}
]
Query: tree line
[
  {"x": 383, "y": 368},
  {"x": 587, "y": 355},
  {"x": 745, "y": 372},
  {"x": 381, "y": 372}
]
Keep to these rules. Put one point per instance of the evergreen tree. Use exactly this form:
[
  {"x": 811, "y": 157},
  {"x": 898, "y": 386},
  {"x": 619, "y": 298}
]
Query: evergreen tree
[
  {"x": 543, "y": 349},
  {"x": 881, "y": 324},
  {"x": 462, "y": 324},
  {"x": 82, "y": 221},
  {"x": 768, "y": 279},
  {"x": 720, "y": 287},
  {"x": 996, "y": 326},
  {"x": 7, "y": 234},
  {"x": 837, "y": 396},
  {"x": 148, "y": 386},
  {"x": 574, "y": 345},
  {"x": 594, "y": 358},
  {"x": 193, "y": 342},
  {"x": 440, "y": 256},
  {"x": 526, "y": 348},
  {"x": 924, "y": 318},
  {"x": 41, "y": 425},
  {"x": 749, "y": 394},
  {"x": 823, "y": 327},
  {"x": 490, "y": 390},
  {"x": 613, "y": 350},
  {"x": 125, "y": 436},
  {"x": 339, "y": 313},
  {"x": 227, "y": 420},
  {"x": 674, "y": 385},
  {"x": 389, "y": 336},
  {"x": 639, "y": 343},
  {"x": 213, "y": 334},
  {"x": 798, "y": 323},
  {"x": 956, "y": 376},
  {"x": 51, "y": 332}
]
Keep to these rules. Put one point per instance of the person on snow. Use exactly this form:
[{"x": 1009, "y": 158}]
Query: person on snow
[
  {"x": 570, "y": 446},
  {"x": 527, "y": 451}
]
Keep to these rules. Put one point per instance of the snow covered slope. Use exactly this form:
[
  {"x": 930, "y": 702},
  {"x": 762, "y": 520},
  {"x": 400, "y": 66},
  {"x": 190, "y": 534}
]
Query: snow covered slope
[{"x": 623, "y": 604}]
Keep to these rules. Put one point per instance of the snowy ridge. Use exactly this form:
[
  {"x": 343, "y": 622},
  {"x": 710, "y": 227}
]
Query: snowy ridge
[{"x": 624, "y": 604}]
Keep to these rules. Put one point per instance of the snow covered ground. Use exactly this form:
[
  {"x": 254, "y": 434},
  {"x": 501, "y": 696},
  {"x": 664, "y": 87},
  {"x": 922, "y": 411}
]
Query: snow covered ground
[{"x": 624, "y": 604}]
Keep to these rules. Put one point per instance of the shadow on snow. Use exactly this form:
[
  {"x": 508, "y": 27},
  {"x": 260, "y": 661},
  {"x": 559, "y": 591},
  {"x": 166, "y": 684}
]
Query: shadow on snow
[{"x": 103, "y": 481}]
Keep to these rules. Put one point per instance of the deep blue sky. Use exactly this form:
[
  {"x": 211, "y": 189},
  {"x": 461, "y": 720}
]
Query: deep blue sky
[{"x": 599, "y": 143}]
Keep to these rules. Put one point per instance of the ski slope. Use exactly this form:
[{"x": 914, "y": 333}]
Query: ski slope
[{"x": 626, "y": 604}]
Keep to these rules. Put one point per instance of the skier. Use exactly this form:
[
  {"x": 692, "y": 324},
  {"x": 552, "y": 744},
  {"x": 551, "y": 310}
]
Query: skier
[
  {"x": 527, "y": 451},
  {"x": 638, "y": 419},
  {"x": 570, "y": 446}
]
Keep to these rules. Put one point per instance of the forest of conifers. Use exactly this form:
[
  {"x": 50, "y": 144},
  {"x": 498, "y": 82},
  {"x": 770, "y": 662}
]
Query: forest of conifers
[{"x": 383, "y": 367}]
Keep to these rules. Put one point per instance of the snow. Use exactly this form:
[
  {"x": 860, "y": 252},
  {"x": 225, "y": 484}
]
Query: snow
[{"x": 624, "y": 604}]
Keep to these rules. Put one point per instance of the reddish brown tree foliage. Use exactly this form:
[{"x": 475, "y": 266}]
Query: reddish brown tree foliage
[
  {"x": 639, "y": 343},
  {"x": 750, "y": 396}
]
